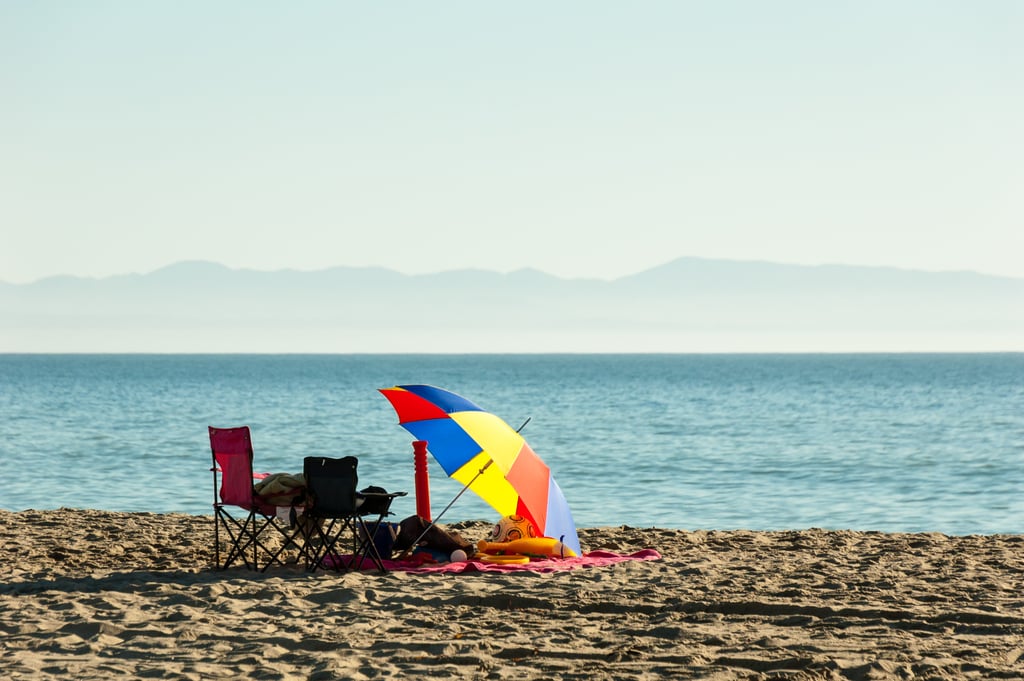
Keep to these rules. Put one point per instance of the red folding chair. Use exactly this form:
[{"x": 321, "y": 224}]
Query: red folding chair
[{"x": 247, "y": 527}]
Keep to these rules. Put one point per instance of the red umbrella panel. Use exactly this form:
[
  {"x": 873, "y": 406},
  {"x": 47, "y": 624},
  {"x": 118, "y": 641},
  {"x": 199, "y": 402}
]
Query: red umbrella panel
[{"x": 478, "y": 448}]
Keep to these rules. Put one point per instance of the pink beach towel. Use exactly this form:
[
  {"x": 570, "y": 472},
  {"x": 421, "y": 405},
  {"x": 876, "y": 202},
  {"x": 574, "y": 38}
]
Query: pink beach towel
[{"x": 592, "y": 559}]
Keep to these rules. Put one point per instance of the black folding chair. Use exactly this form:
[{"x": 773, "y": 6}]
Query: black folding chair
[{"x": 340, "y": 510}]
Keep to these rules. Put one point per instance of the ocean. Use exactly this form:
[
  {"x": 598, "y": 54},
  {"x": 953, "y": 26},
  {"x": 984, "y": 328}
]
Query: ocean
[{"x": 897, "y": 443}]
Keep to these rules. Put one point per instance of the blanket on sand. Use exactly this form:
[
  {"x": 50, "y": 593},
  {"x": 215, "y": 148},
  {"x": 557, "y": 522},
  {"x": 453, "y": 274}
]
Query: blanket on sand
[{"x": 591, "y": 559}]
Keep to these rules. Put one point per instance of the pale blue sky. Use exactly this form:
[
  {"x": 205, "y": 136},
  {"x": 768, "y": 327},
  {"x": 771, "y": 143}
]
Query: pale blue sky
[{"x": 585, "y": 139}]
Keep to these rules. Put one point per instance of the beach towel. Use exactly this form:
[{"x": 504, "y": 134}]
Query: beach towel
[
  {"x": 591, "y": 559},
  {"x": 280, "y": 489}
]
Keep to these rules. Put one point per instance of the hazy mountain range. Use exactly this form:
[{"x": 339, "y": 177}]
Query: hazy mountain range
[{"x": 687, "y": 305}]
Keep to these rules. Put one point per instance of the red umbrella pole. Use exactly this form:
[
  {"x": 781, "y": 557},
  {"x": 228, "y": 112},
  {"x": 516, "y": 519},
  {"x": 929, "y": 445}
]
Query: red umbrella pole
[{"x": 419, "y": 448}]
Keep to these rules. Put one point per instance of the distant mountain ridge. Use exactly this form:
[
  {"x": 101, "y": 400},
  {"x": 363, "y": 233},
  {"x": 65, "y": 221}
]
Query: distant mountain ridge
[
  {"x": 684, "y": 265},
  {"x": 198, "y": 306}
]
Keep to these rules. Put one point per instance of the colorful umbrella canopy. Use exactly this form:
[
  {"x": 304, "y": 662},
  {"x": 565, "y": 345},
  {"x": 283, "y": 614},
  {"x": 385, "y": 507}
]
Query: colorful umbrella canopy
[{"x": 477, "y": 448}]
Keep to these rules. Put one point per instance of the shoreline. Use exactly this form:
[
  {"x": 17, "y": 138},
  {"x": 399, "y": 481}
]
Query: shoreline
[{"x": 99, "y": 593}]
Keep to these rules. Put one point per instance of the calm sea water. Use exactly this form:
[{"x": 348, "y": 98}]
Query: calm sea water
[{"x": 870, "y": 442}]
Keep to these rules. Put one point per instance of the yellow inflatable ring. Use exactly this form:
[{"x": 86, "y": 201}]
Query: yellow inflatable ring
[{"x": 502, "y": 560}]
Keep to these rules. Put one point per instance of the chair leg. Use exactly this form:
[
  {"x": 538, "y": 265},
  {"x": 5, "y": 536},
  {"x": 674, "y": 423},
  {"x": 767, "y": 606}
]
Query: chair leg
[
  {"x": 344, "y": 526},
  {"x": 367, "y": 546},
  {"x": 328, "y": 548},
  {"x": 216, "y": 536},
  {"x": 315, "y": 553},
  {"x": 255, "y": 546},
  {"x": 242, "y": 535},
  {"x": 258, "y": 544},
  {"x": 298, "y": 537},
  {"x": 239, "y": 536}
]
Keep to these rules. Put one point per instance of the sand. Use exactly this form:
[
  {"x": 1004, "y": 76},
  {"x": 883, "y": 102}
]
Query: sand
[{"x": 99, "y": 595}]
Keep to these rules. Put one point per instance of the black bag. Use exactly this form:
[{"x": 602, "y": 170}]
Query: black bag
[{"x": 373, "y": 505}]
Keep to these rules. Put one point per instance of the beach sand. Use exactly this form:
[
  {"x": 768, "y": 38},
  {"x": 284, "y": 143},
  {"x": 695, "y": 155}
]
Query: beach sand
[{"x": 100, "y": 595}]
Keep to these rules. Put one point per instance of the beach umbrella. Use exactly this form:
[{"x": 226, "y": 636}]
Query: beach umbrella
[{"x": 478, "y": 449}]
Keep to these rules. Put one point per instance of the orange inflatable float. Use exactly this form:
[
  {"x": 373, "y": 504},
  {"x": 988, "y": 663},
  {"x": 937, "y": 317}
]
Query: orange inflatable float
[{"x": 544, "y": 547}]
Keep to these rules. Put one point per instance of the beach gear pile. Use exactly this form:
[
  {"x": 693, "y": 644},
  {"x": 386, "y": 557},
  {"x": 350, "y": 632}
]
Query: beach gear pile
[{"x": 512, "y": 540}]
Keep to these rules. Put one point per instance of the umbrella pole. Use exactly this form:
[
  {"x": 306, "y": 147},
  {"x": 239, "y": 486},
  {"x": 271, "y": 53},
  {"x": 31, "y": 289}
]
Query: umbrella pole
[
  {"x": 431, "y": 523},
  {"x": 405, "y": 554}
]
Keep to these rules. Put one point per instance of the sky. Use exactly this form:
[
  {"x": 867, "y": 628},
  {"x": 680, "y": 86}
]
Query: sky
[{"x": 584, "y": 139}]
